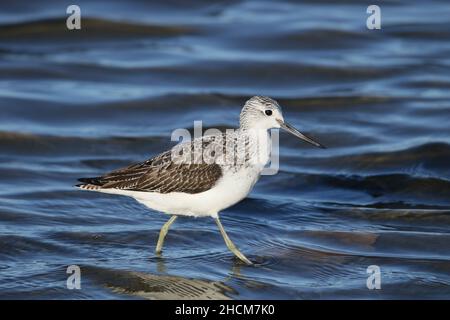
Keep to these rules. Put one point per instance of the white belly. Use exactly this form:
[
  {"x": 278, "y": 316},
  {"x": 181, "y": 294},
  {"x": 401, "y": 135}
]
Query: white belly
[{"x": 229, "y": 190}]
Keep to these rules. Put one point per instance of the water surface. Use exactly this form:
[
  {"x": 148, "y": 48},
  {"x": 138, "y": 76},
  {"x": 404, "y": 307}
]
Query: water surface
[{"x": 80, "y": 103}]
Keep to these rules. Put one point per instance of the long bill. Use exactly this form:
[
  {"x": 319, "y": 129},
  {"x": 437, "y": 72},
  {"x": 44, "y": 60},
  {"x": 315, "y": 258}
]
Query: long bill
[{"x": 289, "y": 128}]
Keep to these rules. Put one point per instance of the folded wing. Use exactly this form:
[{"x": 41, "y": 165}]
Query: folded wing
[{"x": 159, "y": 174}]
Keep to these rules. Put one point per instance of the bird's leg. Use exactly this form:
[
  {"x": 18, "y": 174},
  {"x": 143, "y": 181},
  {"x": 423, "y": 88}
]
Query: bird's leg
[
  {"x": 230, "y": 244},
  {"x": 163, "y": 233}
]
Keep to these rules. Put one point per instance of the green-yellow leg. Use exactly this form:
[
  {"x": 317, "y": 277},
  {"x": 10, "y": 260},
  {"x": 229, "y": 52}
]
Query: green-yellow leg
[
  {"x": 230, "y": 244},
  {"x": 163, "y": 233}
]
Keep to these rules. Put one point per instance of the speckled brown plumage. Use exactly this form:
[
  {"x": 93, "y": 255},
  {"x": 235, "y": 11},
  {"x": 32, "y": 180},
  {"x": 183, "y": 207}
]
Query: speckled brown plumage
[{"x": 159, "y": 174}]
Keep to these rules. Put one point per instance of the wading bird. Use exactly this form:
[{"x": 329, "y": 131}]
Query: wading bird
[{"x": 182, "y": 182}]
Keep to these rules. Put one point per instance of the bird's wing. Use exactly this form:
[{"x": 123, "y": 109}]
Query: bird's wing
[{"x": 162, "y": 174}]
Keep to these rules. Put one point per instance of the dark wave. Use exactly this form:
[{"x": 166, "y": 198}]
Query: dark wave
[
  {"x": 22, "y": 144},
  {"x": 422, "y": 31},
  {"x": 16, "y": 247},
  {"x": 426, "y": 160},
  {"x": 92, "y": 28}
]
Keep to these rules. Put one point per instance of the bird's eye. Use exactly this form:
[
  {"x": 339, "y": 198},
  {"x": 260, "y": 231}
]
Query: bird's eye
[{"x": 268, "y": 112}]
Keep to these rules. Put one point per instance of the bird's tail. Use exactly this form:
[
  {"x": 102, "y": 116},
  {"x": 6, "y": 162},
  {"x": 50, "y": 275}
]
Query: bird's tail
[{"x": 89, "y": 183}]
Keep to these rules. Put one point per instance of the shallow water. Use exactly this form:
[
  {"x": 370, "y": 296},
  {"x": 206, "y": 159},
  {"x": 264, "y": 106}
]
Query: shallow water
[{"x": 80, "y": 103}]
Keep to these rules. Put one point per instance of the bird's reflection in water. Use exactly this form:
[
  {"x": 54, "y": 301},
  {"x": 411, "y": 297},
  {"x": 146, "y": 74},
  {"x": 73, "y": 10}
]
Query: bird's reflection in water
[
  {"x": 161, "y": 265},
  {"x": 163, "y": 285}
]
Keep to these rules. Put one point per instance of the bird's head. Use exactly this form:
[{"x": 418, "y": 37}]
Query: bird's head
[{"x": 264, "y": 113}]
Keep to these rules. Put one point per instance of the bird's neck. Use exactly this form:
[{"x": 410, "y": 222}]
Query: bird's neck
[
  {"x": 254, "y": 132},
  {"x": 259, "y": 144}
]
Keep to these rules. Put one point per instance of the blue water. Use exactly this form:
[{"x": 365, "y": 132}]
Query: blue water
[{"x": 81, "y": 103}]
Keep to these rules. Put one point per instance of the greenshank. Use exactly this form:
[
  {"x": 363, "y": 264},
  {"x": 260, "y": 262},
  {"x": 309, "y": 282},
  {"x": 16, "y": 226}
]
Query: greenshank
[{"x": 203, "y": 176}]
